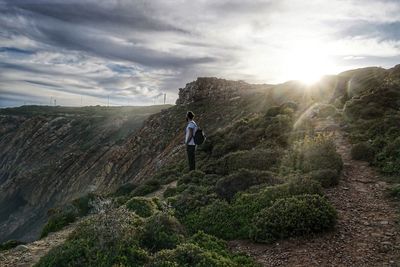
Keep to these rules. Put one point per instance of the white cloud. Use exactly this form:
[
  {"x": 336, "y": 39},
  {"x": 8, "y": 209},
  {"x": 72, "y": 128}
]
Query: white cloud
[{"x": 136, "y": 50}]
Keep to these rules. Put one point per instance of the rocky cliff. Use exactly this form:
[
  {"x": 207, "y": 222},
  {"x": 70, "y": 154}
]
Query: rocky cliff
[{"x": 51, "y": 157}]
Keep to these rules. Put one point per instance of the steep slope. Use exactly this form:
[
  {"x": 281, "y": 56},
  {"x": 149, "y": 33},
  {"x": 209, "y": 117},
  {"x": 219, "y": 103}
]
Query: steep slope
[
  {"x": 47, "y": 155},
  {"x": 50, "y": 156}
]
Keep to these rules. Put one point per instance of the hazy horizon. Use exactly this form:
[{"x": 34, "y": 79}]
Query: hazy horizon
[{"x": 133, "y": 52}]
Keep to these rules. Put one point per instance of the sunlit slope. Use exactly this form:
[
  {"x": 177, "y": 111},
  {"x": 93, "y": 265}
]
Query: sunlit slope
[{"x": 46, "y": 154}]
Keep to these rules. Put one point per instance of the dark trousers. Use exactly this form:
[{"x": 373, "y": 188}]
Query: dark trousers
[{"x": 191, "y": 156}]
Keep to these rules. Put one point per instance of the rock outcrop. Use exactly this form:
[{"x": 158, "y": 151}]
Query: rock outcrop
[{"x": 212, "y": 89}]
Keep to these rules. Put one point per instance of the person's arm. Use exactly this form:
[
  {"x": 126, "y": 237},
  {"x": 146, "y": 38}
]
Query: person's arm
[{"x": 189, "y": 136}]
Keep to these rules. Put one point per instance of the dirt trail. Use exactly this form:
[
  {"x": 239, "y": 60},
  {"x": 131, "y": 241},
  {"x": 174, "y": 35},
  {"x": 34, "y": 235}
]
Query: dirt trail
[
  {"x": 367, "y": 233},
  {"x": 29, "y": 254}
]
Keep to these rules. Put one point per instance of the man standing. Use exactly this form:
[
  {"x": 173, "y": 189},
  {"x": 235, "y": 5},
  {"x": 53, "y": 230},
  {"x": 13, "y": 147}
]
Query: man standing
[{"x": 190, "y": 131}]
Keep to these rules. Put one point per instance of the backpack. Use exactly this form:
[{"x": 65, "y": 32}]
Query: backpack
[{"x": 199, "y": 137}]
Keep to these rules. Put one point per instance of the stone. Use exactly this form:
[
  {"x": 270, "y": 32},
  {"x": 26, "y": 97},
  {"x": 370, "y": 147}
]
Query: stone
[{"x": 21, "y": 248}]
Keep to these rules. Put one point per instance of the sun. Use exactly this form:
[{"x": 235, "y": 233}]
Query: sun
[{"x": 307, "y": 63}]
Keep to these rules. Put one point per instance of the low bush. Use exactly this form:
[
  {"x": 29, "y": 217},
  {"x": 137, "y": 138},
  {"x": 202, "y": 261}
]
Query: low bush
[
  {"x": 257, "y": 159},
  {"x": 189, "y": 254},
  {"x": 312, "y": 153},
  {"x": 362, "y": 151},
  {"x": 83, "y": 204},
  {"x": 231, "y": 221},
  {"x": 59, "y": 218},
  {"x": 243, "y": 179},
  {"x": 146, "y": 188},
  {"x": 214, "y": 219},
  {"x": 326, "y": 177},
  {"x": 245, "y": 205},
  {"x": 162, "y": 231},
  {"x": 213, "y": 244},
  {"x": 107, "y": 239},
  {"x": 394, "y": 191},
  {"x": 170, "y": 192},
  {"x": 144, "y": 207},
  {"x": 10, "y": 244},
  {"x": 191, "y": 199},
  {"x": 326, "y": 111},
  {"x": 294, "y": 216},
  {"x": 389, "y": 158},
  {"x": 120, "y": 200},
  {"x": 193, "y": 177}
]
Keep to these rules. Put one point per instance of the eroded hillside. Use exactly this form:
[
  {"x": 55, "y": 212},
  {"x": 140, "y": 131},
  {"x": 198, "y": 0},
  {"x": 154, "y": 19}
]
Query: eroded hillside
[
  {"x": 269, "y": 170},
  {"x": 50, "y": 155}
]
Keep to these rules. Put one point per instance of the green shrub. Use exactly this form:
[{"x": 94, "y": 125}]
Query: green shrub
[
  {"x": 231, "y": 221},
  {"x": 326, "y": 177},
  {"x": 294, "y": 216},
  {"x": 144, "y": 207},
  {"x": 191, "y": 199},
  {"x": 190, "y": 254},
  {"x": 193, "y": 177},
  {"x": 146, "y": 188},
  {"x": 312, "y": 153},
  {"x": 170, "y": 192},
  {"x": 326, "y": 111},
  {"x": 214, "y": 219},
  {"x": 243, "y": 179},
  {"x": 120, "y": 200},
  {"x": 362, "y": 151},
  {"x": 10, "y": 244},
  {"x": 389, "y": 158},
  {"x": 83, "y": 204},
  {"x": 394, "y": 191},
  {"x": 257, "y": 159},
  {"x": 246, "y": 205},
  {"x": 162, "y": 231},
  {"x": 107, "y": 239},
  {"x": 208, "y": 242},
  {"x": 59, "y": 219},
  {"x": 213, "y": 244}
]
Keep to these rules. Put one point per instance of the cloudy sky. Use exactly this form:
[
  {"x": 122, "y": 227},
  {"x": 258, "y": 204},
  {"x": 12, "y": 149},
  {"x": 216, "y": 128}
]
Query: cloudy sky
[{"x": 82, "y": 52}]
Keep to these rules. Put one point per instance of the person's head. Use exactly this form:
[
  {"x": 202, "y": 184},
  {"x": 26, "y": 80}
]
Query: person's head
[{"x": 189, "y": 115}]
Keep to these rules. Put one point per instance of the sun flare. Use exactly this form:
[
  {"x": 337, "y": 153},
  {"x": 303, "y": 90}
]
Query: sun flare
[{"x": 308, "y": 63}]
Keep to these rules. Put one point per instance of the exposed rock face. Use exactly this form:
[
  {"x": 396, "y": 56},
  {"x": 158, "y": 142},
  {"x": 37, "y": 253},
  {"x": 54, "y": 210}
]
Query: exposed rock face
[
  {"x": 211, "y": 89},
  {"x": 46, "y": 160}
]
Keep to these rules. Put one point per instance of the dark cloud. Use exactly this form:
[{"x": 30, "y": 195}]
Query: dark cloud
[
  {"x": 136, "y": 50},
  {"x": 137, "y": 15},
  {"x": 382, "y": 31}
]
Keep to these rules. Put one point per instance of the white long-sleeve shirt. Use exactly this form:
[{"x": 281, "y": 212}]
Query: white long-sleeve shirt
[{"x": 191, "y": 124}]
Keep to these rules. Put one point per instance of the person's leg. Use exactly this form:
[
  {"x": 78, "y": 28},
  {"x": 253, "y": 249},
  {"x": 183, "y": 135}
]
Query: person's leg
[{"x": 191, "y": 156}]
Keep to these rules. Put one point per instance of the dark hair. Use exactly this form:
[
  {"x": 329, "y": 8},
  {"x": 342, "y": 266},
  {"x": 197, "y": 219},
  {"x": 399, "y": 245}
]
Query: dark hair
[{"x": 190, "y": 115}]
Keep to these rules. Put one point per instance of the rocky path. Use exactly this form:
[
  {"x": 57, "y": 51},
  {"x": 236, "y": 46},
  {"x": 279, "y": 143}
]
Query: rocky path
[
  {"x": 29, "y": 254},
  {"x": 367, "y": 233}
]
